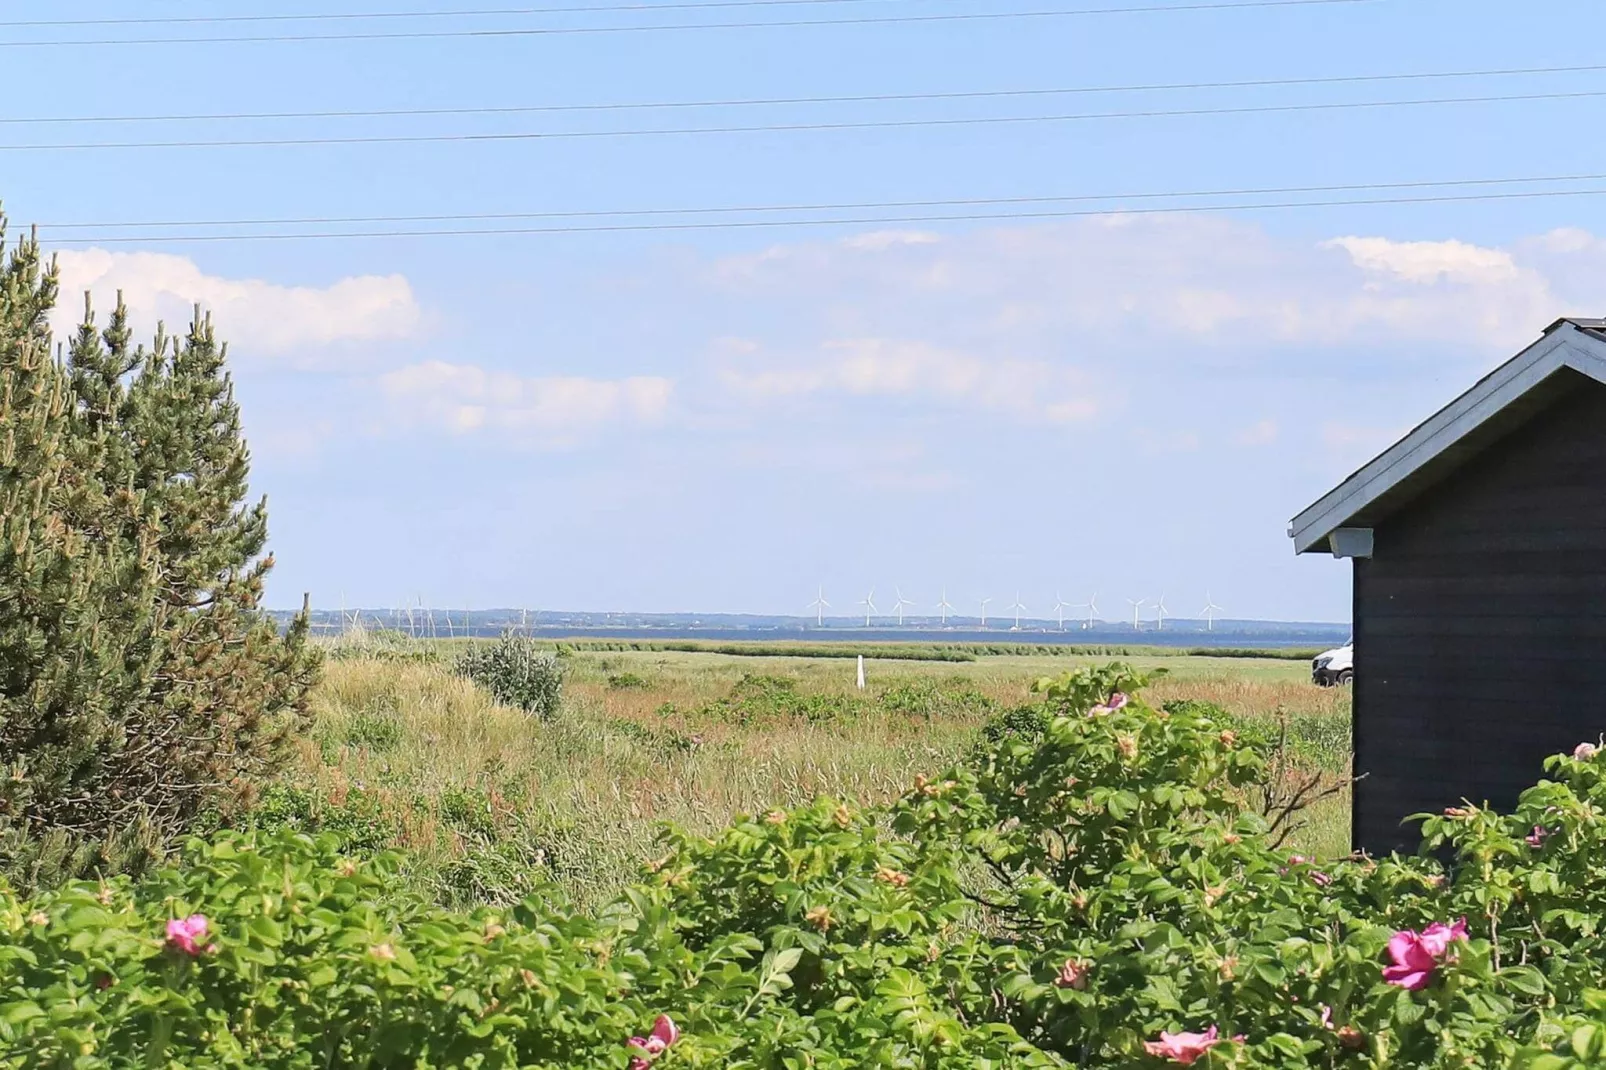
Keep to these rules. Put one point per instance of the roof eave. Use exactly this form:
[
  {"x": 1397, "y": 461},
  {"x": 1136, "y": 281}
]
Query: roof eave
[{"x": 1563, "y": 345}]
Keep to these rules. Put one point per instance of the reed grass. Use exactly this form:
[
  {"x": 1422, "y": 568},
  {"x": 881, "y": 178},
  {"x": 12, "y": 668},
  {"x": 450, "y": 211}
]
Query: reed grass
[{"x": 490, "y": 802}]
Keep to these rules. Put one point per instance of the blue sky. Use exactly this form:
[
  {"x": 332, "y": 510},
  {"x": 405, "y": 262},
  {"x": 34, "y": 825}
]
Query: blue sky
[{"x": 723, "y": 419}]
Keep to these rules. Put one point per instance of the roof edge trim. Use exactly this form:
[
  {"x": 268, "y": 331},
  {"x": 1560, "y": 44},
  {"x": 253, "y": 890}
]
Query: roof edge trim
[{"x": 1563, "y": 346}]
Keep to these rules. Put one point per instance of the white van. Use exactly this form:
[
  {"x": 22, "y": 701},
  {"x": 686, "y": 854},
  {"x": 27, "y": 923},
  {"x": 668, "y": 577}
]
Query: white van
[{"x": 1336, "y": 666}]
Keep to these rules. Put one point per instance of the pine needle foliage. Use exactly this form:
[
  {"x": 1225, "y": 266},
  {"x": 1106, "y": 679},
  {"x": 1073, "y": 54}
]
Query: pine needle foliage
[{"x": 140, "y": 685}]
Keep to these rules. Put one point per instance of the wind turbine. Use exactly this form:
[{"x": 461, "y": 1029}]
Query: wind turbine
[
  {"x": 1019, "y": 609},
  {"x": 1160, "y": 609},
  {"x": 1092, "y": 607},
  {"x": 984, "y": 602},
  {"x": 1060, "y": 606},
  {"x": 868, "y": 602},
  {"x": 1209, "y": 613},
  {"x": 1137, "y": 604},
  {"x": 819, "y": 605},
  {"x": 944, "y": 608},
  {"x": 897, "y": 607}
]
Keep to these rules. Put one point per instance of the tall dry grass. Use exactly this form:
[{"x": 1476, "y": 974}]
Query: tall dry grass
[{"x": 489, "y": 802}]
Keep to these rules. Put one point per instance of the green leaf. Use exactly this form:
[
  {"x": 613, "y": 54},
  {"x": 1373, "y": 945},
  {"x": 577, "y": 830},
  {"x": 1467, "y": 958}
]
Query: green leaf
[
  {"x": 21, "y": 1011},
  {"x": 1586, "y": 1041},
  {"x": 266, "y": 930},
  {"x": 1525, "y": 979},
  {"x": 1407, "y": 1011},
  {"x": 1548, "y": 1062}
]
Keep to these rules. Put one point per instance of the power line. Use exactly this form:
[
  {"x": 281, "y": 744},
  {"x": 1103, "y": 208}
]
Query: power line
[
  {"x": 514, "y": 32},
  {"x": 1260, "y": 191},
  {"x": 854, "y": 221},
  {"x": 365, "y": 16},
  {"x": 863, "y": 98},
  {"x": 876, "y": 124}
]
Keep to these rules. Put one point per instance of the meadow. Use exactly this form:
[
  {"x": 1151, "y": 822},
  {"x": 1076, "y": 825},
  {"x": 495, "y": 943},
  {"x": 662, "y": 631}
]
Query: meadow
[{"x": 489, "y": 803}]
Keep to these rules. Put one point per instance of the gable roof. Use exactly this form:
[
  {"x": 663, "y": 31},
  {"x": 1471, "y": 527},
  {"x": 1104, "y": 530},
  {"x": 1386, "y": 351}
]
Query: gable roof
[{"x": 1498, "y": 402}]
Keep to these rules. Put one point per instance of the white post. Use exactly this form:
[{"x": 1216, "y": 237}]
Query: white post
[{"x": 861, "y": 672}]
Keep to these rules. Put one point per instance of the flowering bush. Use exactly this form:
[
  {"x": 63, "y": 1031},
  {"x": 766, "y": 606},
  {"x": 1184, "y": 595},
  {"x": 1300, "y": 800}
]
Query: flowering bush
[{"x": 1087, "y": 889}]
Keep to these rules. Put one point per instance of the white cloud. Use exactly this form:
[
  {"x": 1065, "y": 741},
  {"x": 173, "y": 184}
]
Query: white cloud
[
  {"x": 257, "y": 315},
  {"x": 464, "y": 398},
  {"x": 1430, "y": 261},
  {"x": 888, "y": 367},
  {"x": 879, "y": 240},
  {"x": 1164, "y": 286}
]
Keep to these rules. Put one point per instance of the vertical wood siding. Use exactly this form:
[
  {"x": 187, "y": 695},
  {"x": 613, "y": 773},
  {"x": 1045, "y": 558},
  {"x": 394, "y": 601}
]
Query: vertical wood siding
[{"x": 1480, "y": 625}]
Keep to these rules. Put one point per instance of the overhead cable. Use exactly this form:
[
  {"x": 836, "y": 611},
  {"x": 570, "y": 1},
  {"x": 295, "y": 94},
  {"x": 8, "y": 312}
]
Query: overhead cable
[
  {"x": 757, "y": 128},
  {"x": 148, "y": 239},
  {"x": 512, "y": 12},
  {"x": 860, "y": 98},
  {"x": 544, "y": 31},
  {"x": 1256, "y": 191}
]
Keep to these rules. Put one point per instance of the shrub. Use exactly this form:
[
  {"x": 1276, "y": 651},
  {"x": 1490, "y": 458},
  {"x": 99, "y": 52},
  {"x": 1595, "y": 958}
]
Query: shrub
[
  {"x": 287, "y": 954},
  {"x": 517, "y": 673},
  {"x": 758, "y": 698},
  {"x": 931, "y": 699},
  {"x": 140, "y": 685},
  {"x": 359, "y": 821},
  {"x": 1087, "y": 894},
  {"x": 658, "y": 741},
  {"x": 1026, "y": 723}
]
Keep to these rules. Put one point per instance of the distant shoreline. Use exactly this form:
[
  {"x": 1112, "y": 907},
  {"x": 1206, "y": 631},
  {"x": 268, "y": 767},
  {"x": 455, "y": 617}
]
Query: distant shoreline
[{"x": 1181, "y": 633}]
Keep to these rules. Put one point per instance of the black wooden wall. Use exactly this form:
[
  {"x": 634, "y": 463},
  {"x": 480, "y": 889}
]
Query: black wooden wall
[{"x": 1480, "y": 625}]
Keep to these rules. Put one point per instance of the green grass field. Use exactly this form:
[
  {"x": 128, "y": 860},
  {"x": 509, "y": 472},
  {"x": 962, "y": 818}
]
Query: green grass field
[{"x": 490, "y": 802}]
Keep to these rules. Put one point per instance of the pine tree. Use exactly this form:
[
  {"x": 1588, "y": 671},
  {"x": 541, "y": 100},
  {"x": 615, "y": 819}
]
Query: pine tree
[{"x": 140, "y": 684}]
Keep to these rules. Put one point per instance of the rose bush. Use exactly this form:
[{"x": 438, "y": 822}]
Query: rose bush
[{"x": 1089, "y": 888}]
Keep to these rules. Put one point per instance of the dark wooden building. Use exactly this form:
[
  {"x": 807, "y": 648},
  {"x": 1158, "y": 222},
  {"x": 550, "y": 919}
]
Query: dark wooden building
[{"x": 1479, "y": 547}]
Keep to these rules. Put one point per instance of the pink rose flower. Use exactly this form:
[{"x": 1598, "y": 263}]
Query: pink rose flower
[
  {"x": 1417, "y": 954},
  {"x": 1073, "y": 975},
  {"x": 186, "y": 934},
  {"x": 1536, "y": 838},
  {"x": 1438, "y": 937},
  {"x": 1184, "y": 1048},
  {"x": 1584, "y": 751},
  {"x": 645, "y": 1049},
  {"x": 1320, "y": 879},
  {"x": 1116, "y": 701}
]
